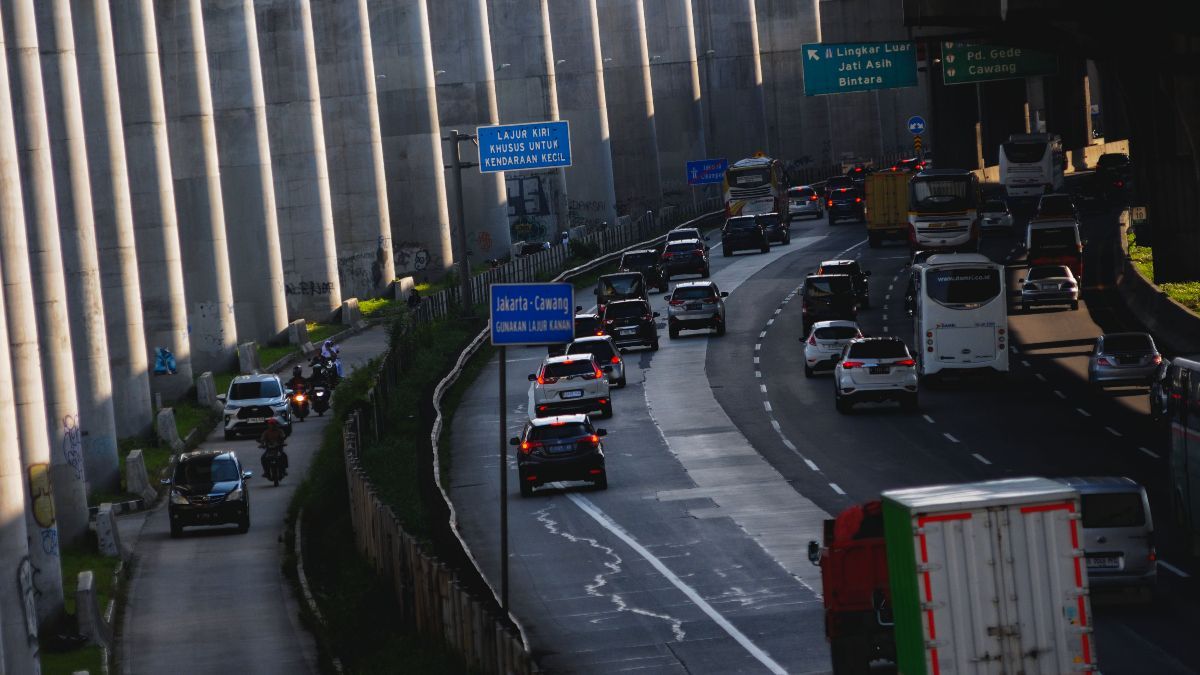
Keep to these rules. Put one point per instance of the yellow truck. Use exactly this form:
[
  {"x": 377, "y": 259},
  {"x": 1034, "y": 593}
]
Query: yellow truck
[{"x": 887, "y": 206}]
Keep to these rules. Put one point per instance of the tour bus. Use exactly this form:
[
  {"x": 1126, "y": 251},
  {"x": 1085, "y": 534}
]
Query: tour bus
[
  {"x": 1032, "y": 164},
  {"x": 960, "y": 318},
  {"x": 755, "y": 185},
  {"x": 1183, "y": 417},
  {"x": 943, "y": 210}
]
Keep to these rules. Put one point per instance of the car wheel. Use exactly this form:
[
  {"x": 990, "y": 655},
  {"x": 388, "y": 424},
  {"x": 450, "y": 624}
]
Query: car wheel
[
  {"x": 766, "y": 248},
  {"x": 720, "y": 328},
  {"x": 176, "y": 530},
  {"x": 704, "y": 273},
  {"x": 1075, "y": 305},
  {"x": 909, "y": 403},
  {"x": 526, "y": 488},
  {"x": 787, "y": 238},
  {"x": 244, "y": 524},
  {"x": 832, "y": 221},
  {"x": 654, "y": 345},
  {"x": 606, "y": 410},
  {"x": 672, "y": 332},
  {"x": 601, "y": 481},
  {"x": 726, "y": 251},
  {"x": 1024, "y": 307},
  {"x": 842, "y": 405},
  {"x": 230, "y": 436},
  {"x": 808, "y": 372},
  {"x": 622, "y": 382}
]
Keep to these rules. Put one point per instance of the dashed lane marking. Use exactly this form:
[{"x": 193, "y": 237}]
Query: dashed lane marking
[
  {"x": 775, "y": 426},
  {"x": 756, "y": 359},
  {"x": 1113, "y": 431},
  {"x": 757, "y": 346},
  {"x": 885, "y": 317},
  {"x": 950, "y": 437},
  {"x": 1060, "y": 394},
  {"x": 887, "y": 297},
  {"x": 885, "y": 329},
  {"x": 811, "y": 464},
  {"x": 758, "y": 373},
  {"x": 928, "y": 419},
  {"x": 762, "y": 335},
  {"x": 1173, "y": 569},
  {"x": 837, "y": 488},
  {"x": 777, "y": 311},
  {"x": 763, "y": 388},
  {"x": 1083, "y": 412},
  {"x": 770, "y": 322},
  {"x": 981, "y": 458},
  {"x": 1150, "y": 452},
  {"x": 789, "y": 445},
  {"x": 1040, "y": 377},
  {"x": 767, "y": 405},
  {"x": 1024, "y": 363}
]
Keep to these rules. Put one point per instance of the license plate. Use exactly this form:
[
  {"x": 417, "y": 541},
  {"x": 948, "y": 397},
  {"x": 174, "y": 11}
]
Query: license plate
[
  {"x": 692, "y": 305},
  {"x": 880, "y": 370},
  {"x": 1106, "y": 562},
  {"x": 256, "y": 420},
  {"x": 627, "y": 331},
  {"x": 574, "y": 393}
]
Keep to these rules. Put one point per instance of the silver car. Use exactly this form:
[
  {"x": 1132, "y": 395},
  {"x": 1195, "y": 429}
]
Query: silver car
[
  {"x": 696, "y": 304},
  {"x": 994, "y": 215},
  {"x": 825, "y": 343},
  {"x": 1118, "y": 533},
  {"x": 251, "y": 401},
  {"x": 1123, "y": 358},
  {"x": 605, "y": 352},
  {"x": 875, "y": 369},
  {"x": 1049, "y": 285},
  {"x": 804, "y": 201}
]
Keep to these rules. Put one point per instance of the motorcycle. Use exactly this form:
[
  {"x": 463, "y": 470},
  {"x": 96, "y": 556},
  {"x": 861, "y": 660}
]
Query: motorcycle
[
  {"x": 325, "y": 369},
  {"x": 300, "y": 404},
  {"x": 274, "y": 463},
  {"x": 320, "y": 400}
]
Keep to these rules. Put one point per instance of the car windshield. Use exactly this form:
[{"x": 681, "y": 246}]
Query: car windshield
[
  {"x": 205, "y": 470},
  {"x": 815, "y": 287},
  {"x": 693, "y": 293},
  {"x": 645, "y": 259},
  {"x": 994, "y": 206},
  {"x": 598, "y": 348},
  {"x": 1115, "y": 509},
  {"x": 770, "y": 220},
  {"x": 241, "y": 391},
  {"x": 553, "y": 432},
  {"x": 747, "y": 223},
  {"x": 1052, "y": 237},
  {"x": 1110, "y": 160},
  {"x": 621, "y": 284},
  {"x": 624, "y": 310},
  {"x": 878, "y": 349},
  {"x": 962, "y": 285},
  {"x": 842, "y": 193},
  {"x": 685, "y": 233},
  {"x": 941, "y": 194},
  {"x": 1049, "y": 272},
  {"x": 840, "y": 268},
  {"x": 587, "y": 325},
  {"x": 684, "y": 246},
  {"x": 801, "y": 193},
  {"x": 836, "y": 333},
  {"x": 581, "y": 366},
  {"x": 839, "y": 182},
  {"x": 1127, "y": 343},
  {"x": 1025, "y": 152}
]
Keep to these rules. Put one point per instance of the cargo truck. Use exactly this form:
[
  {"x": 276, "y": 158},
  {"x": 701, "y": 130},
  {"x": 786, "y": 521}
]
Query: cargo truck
[
  {"x": 977, "y": 578},
  {"x": 887, "y": 207}
]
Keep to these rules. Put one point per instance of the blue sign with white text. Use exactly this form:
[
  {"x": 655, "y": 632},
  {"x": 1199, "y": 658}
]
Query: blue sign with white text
[
  {"x": 706, "y": 171},
  {"x": 524, "y": 147},
  {"x": 858, "y": 66},
  {"x": 532, "y": 314}
]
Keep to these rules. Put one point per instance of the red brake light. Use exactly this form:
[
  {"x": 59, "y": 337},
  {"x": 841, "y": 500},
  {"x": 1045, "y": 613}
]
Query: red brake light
[
  {"x": 852, "y": 364},
  {"x": 594, "y": 439},
  {"x": 647, "y": 317},
  {"x": 1157, "y": 359},
  {"x": 812, "y": 339},
  {"x": 616, "y": 359},
  {"x": 528, "y": 446},
  {"x": 906, "y": 362},
  {"x": 1102, "y": 361},
  {"x": 857, "y": 200},
  {"x": 829, "y": 203},
  {"x": 597, "y": 372},
  {"x": 1119, "y": 183},
  {"x": 698, "y": 253},
  {"x": 676, "y": 303},
  {"x": 813, "y": 197}
]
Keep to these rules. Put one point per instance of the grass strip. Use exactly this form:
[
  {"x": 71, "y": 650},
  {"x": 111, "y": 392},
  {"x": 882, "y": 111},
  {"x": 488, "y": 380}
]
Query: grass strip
[{"x": 1186, "y": 293}]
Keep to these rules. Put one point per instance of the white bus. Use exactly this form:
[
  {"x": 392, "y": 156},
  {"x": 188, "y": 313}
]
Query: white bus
[
  {"x": 1032, "y": 165},
  {"x": 943, "y": 210},
  {"x": 961, "y": 314}
]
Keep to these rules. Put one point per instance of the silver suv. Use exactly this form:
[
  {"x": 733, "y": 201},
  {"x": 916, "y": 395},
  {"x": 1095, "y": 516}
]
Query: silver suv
[
  {"x": 573, "y": 383},
  {"x": 696, "y": 304},
  {"x": 251, "y": 401},
  {"x": 1118, "y": 534}
]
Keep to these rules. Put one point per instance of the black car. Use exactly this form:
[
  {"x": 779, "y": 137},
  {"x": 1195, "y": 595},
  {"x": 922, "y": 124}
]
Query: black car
[
  {"x": 620, "y": 286},
  {"x": 565, "y": 447},
  {"x": 649, "y": 263},
  {"x": 777, "y": 227},
  {"x": 1113, "y": 178},
  {"x": 843, "y": 203},
  {"x": 743, "y": 232},
  {"x": 839, "y": 182},
  {"x": 586, "y": 325},
  {"x": 826, "y": 297},
  {"x": 208, "y": 487},
  {"x": 686, "y": 256},
  {"x": 858, "y": 277},
  {"x": 631, "y": 323}
]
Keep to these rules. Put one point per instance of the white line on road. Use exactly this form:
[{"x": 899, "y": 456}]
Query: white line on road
[
  {"x": 885, "y": 317},
  {"x": 1013, "y": 349},
  {"x": 758, "y": 373},
  {"x": 1024, "y": 363},
  {"x": 885, "y": 329},
  {"x": 1083, "y": 412},
  {"x": 1040, "y": 377},
  {"x": 777, "y": 311},
  {"x": 609, "y": 524},
  {"x": 981, "y": 458},
  {"x": 757, "y": 346},
  {"x": 1150, "y": 452},
  {"x": 789, "y": 445},
  {"x": 1060, "y": 394},
  {"x": 770, "y": 321},
  {"x": 837, "y": 489},
  {"x": 767, "y": 405},
  {"x": 763, "y": 388},
  {"x": 1112, "y": 431},
  {"x": 775, "y": 426},
  {"x": 762, "y": 335},
  {"x": 928, "y": 419},
  {"x": 1173, "y": 569},
  {"x": 811, "y": 464},
  {"x": 951, "y": 438},
  {"x": 756, "y": 359},
  {"x": 891, "y": 286},
  {"x": 887, "y": 297}
]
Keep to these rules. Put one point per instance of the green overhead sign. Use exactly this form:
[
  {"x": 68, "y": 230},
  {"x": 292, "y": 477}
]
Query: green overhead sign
[
  {"x": 858, "y": 66},
  {"x": 964, "y": 63}
]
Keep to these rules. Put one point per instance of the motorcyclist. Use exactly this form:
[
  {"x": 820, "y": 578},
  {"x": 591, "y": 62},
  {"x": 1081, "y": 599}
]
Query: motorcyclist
[
  {"x": 273, "y": 437},
  {"x": 298, "y": 381}
]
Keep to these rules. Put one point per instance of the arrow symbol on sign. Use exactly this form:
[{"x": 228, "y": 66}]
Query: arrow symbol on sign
[{"x": 812, "y": 55}]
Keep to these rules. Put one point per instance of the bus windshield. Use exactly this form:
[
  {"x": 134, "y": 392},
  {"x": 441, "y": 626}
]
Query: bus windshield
[
  {"x": 1026, "y": 152},
  {"x": 962, "y": 287},
  {"x": 941, "y": 195}
]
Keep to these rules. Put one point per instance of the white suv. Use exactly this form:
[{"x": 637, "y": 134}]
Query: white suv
[
  {"x": 573, "y": 383},
  {"x": 875, "y": 369},
  {"x": 251, "y": 401}
]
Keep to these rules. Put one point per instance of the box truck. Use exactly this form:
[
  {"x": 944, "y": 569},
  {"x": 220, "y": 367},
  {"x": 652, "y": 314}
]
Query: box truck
[
  {"x": 887, "y": 207},
  {"x": 977, "y": 578}
]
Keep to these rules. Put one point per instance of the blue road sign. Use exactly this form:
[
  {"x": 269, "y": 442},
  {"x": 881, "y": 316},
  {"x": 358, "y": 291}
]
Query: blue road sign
[
  {"x": 859, "y": 66},
  {"x": 916, "y": 125},
  {"x": 523, "y": 147},
  {"x": 706, "y": 171},
  {"x": 532, "y": 314}
]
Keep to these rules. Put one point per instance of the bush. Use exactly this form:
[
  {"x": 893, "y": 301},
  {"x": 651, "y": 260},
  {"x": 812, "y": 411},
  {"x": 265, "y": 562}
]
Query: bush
[{"x": 584, "y": 250}]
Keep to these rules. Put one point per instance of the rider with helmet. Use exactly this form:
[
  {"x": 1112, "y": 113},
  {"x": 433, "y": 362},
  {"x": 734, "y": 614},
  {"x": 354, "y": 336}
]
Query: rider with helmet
[{"x": 273, "y": 437}]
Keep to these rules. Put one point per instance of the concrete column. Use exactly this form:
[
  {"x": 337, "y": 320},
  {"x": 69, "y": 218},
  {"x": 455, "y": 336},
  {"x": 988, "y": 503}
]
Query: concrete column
[
  {"x": 579, "y": 78},
  {"x": 247, "y": 182},
  {"x": 466, "y": 98},
  {"x": 797, "y": 125},
  {"x": 526, "y": 91},
  {"x": 90, "y": 436},
  {"x": 675, "y": 75},
  {"x": 22, "y": 251},
  {"x": 302, "y": 199},
  {"x": 195, "y": 168},
  {"x": 731, "y": 78},
  {"x": 160, "y": 266},
  {"x": 630, "y": 98},
  {"x": 18, "y": 627},
  {"x": 113, "y": 218},
  {"x": 401, "y": 71}
]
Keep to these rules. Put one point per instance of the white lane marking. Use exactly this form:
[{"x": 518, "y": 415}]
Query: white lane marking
[
  {"x": 811, "y": 464},
  {"x": 762, "y": 388},
  {"x": 887, "y": 297},
  {"x": 928, "y": 419},
  {"x": 609, "y": 524},
  {"x": 756, "y": 359},
  {"x": 1060, "y": 394},
  {"x": 789, "y": 445},
  {"x": 891, "y": 286},
  {"x": 770, "y": 322},
  {"x": 981, "y": 458},
  {"x": 767, "y": 405},
  {"x": 1173, "y": 569},
  {"x": 1148, "y": 451},
  {"x": 1112, "y": 431},
  {"x": 837, "y": 488},
  {"x": 757, "y": 346},
  {"x": 777, "y": 311},
  {"x": 1013, "y": 349},
  {"x": 950, "y": 437},
  {"x": 1024, "y": 363},
  {"x": 885, "y": 329},
  {"x": 1083, "y": 412},
  {"x": 758, "y": 373},
  {"x": 762, "y": 335},
  {"x": 1040, "y": 377}
]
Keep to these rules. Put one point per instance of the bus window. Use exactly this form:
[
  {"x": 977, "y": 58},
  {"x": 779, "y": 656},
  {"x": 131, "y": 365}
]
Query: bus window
[
  {"x": 1025, "y": 152},
  {"x": 962, "y": 286},
  {"x": 941, "y": 195}
]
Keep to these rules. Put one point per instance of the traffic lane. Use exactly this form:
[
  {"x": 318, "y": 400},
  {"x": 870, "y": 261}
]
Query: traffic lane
[{"x": 213, "y": 599}]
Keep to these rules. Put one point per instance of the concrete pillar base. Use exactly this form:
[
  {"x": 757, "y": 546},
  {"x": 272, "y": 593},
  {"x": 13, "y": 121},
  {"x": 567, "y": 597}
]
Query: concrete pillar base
[
  {"x": 248, "y": 358},
  {"x": 402, "y": 287},
  {"x": 108, "y": 535},
  {"x": 137, "y": 482},
  {"x": 164, "y": 427},
  {"x": 351, "y": 314},
  {"x": 87, "y": 608}
]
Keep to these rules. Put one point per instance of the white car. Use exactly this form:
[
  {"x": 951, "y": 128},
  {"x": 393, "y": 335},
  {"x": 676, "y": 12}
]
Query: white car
[
  {"x": 1049, "y": 285},
  {"x": 570, "y": 384},
  {"x": 825, "y": 343},
  {"x": 251, "y": 401},
  {"x": 994, "y": 215},
  {"x": 875, "y": 369}
]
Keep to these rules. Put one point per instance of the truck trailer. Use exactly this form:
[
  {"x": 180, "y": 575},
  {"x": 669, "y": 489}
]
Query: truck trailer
[{"x": 887, "y": 207}]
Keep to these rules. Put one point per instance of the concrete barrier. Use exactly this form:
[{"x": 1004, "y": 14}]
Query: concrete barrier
[
  {"x": 167, "y": 431},
  {"x": 248, "y": 358},
  {"x": 298, "y": 335},
  {"x": 87, "y": 611},
  {"x": 351, "y": 314},
  {"x": 206, "y": 390},
  {"x": 108, "y": 536},
  {"x": 402, "y": 287},
  {"x": 1175, "y": 327},
  {"x": 137, "y": 481}
]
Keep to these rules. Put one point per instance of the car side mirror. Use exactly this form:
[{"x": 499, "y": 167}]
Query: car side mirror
[
  {"x": 532, "y": 377},
  {"x": 657, "y": 314},
  {"x": 724, "y": 294},
  {"x": 814, "y": 553},
  {"x": 514, "y": 441},
  {"x": 247, "y": 475},
  {"x": 288, "y": 392},
  {"x": 601, "y": 431},
  {"x": 221, "y": 398},
  {"x": 165, "y": 481}
]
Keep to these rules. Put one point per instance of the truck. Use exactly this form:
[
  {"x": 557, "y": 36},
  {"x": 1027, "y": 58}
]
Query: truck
[
  {"x": 887, "y": 207},
  {"x": 977, "y": 578}
]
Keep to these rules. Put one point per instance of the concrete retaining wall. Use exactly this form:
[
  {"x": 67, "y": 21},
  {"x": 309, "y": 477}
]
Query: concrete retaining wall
[{"x": 1174, "y": 326}]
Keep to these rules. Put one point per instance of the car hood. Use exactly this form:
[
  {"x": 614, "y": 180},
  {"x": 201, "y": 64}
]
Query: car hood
[
  {"x": 245, "y": 402},
  {"x": 219, "y": 488}
]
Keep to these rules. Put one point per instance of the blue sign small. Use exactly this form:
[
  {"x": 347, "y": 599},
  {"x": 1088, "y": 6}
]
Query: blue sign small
[
  {"x": 524, "y": 147},
  {"x": 532, "y": 314},
  {"x": 706, "y": 171},
  {"x": 916, "y": 125}
]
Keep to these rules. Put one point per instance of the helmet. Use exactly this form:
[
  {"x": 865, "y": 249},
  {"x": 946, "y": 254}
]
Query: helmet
[
  {"x": 297, "y": 371},
  {"x": 271, "y": 421}
]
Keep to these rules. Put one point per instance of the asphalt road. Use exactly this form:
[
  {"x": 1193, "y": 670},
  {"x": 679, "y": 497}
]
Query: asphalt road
[{"x": 214, "y": 601}]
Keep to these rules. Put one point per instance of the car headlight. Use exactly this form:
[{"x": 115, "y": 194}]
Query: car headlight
[
  {"x": 178, "y": 498},
  {"x": 235, "y": 495}
]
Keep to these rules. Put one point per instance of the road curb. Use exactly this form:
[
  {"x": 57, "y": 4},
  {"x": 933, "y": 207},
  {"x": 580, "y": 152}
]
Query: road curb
[{"x": 305, "y": 589}]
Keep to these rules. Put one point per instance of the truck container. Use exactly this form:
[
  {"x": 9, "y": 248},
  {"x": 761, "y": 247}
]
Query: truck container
[{"x": 887, "y": 207}]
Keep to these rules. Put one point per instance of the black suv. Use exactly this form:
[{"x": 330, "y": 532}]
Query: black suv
[
  {"x": 649, "y": 263},
  {"x": 208, "y": 487},
  {"x": 586, "y": 325},
  {"x": 858, "y": 277},
  {"x": 827, "y": 297},
  {"x": 631, "y": 323},
  {"x": 686, "y": 256},
  {"x": 743, "y": 232},
  {"x": 566, "y": 447},
  {"x": 777, "y": 227},
  {"x": 842, "y": 203},
  {"x": 620, "y": 286}
]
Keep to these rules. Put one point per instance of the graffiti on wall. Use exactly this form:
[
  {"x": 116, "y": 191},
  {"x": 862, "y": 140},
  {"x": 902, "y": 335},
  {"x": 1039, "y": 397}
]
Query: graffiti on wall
[
  {"x": 72, "y": 444},
  {"x": 586, "y": 213},
  {"x": 28, "y": 590},
  {"x": 308, "y": 288},
  {"x": 361, "y": 273},
  {"x": 531, "y": 205},
  {"x": 483, "y": 240},
  {"x": 411, "y": 257}
]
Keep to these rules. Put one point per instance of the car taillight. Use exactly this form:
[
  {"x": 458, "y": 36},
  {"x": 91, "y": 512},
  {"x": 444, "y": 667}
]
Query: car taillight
[
  {"x": 666, "y": 255},
  {"x": 1119, "y": 183},
  {"x": 1156, "y": 360},
  {"x": 597, "y": 373},
  {"x": 812, "y": 339},
  {"x": 594, "y": 439},
  {"x": 528, "y": 446},
  {"x": 857, "y": 200},
  {"x": 647, "y": 317},
  {"x": 616, "y": 359},
  {"x": 813, "y": 198},
  {"x": 676, "y": 303},
  {"x": 543, "y": 379},
  {"x": 852, "y": 364},
  {"x": 1102, "y": 361},
  {"x": 698, "y": 253},
  {"x": 829, "y": 203},
  {"x": 906, "y": 362}
]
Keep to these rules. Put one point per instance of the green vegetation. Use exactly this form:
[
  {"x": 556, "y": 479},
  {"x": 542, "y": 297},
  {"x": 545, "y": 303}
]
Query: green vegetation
[
  {"x": 379, "y": 308},
  {"x": 319, "y": 332},
  {"x": 270, "y": 354},
  {"x": 190, "y": 415},
  {"x": 1186, "y": 293},
  {"x": 89, "y": 659},
  {"x": 74, "y": 561}
]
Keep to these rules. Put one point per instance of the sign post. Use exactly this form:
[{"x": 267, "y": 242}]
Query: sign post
[
  {"x": 964, "y": 63},
  {"x": 523, "y": 314},
  {"x": 858, "y": 66}
]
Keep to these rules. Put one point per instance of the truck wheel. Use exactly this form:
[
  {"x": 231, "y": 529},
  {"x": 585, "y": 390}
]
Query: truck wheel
[
  {"x": 873, "y": 240},
  {"x": 850, "y": 656},
  {"x": 726, "y": 251}
]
